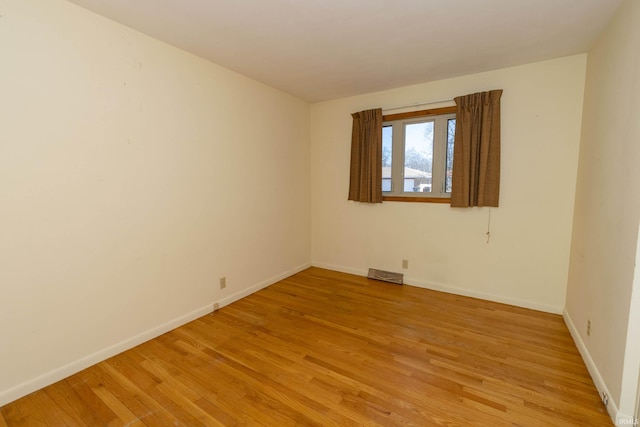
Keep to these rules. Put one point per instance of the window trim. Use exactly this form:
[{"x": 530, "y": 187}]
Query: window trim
[
  {"x": 421, "y": 113},
  {"x": 415, "y": 115},
  {"x": 416, "y": 199}
]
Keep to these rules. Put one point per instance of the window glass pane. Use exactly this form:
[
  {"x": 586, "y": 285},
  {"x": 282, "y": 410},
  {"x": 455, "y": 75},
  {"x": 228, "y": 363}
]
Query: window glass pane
[
  {"x": 387, "y": 142},
  {"x": 451, "y": 133},
  {"x": 418, "y": 157}
]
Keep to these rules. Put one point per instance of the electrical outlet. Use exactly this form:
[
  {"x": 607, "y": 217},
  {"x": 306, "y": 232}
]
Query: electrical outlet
[
  {"x": 588, "y": 328},
  {"x": 405, "y": 263},
  {"x": 605, "y": 398},
  {"x": 223, "y": 282}
]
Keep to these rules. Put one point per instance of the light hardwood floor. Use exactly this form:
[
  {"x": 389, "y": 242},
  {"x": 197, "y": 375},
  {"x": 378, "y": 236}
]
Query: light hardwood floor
[{"x": 325, "y": 348}]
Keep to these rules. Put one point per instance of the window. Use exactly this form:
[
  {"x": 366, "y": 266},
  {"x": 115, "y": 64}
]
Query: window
[{"x": 417, "y": 155}]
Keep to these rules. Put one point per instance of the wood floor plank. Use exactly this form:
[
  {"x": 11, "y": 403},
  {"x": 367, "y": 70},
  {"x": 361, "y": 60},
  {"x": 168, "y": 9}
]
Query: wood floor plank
[
  {"x": 137, "y": 402},
  {"x": 69, "y": 402},
  {"x": 323, "y": 348},
  {"x": 84, "y": 383},
  {"x": 124, "y": 415}
]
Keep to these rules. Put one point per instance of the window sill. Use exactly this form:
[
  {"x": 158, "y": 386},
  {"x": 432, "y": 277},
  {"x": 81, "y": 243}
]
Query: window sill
[{"x": 417, "y": 199}]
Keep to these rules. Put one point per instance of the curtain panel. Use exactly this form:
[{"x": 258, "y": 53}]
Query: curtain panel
[
  {"x": 476, "y": 153},
  {"x": 365, "y": 180}
]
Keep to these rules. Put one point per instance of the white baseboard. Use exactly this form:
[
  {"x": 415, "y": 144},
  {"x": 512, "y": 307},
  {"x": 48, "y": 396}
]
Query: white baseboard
[
  {"x": 452, "y": 290},
  {"x": 341, "y": 269},
  {"x": 14, "y": 393},
  {"x": 601, "y": 386},
  {"x": 612, "y": 407},
  {"x": 71, "y": 368},
  {"x": 485, "y": 296},
  {"x": 255, "y": 288}
]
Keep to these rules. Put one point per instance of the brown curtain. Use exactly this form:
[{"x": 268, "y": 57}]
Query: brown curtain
[
  {"x": 476, "y": 153},
  {"x": 365, "y": 180}
]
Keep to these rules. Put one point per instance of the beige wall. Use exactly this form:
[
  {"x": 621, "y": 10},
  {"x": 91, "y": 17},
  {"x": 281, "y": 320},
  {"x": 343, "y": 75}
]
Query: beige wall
[
  {"x": 132, "y": 176},
  {"x": 526, "y": 261},
  {"x": 607, "y": 205}
]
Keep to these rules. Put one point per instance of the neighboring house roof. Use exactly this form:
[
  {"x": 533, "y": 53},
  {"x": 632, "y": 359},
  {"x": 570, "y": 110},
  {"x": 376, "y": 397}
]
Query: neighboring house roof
[{"x": 409, "y": 173}]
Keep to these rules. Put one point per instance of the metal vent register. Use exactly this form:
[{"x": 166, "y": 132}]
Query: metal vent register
[{"x": 385, "y": 276}]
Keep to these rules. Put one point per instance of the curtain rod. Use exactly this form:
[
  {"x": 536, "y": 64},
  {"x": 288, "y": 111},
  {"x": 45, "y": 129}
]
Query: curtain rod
[{"x": 417, "y": 104}]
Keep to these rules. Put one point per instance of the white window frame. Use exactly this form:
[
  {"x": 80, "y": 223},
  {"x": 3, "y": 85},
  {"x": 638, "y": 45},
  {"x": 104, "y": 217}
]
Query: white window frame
[{"x": 439, "y": 159}]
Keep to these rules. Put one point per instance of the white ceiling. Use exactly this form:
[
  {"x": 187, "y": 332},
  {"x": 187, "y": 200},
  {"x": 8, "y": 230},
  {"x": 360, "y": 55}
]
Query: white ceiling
[{"x": 325, "y": 49}]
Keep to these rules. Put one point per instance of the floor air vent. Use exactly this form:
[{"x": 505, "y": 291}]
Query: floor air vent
[{"x": 385, "y": 276}]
